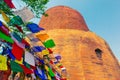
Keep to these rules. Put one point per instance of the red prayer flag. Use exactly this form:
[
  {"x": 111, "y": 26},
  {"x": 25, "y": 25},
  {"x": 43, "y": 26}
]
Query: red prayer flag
[
  {"x": 17, "y": 51},
  {"x": 50, "y": 51},
  {"x": 26, "y": 70},
  {"x": 25, "y": 42},
  {"x": 9, "y": 3},
  {"x": 19, "y": 28}
]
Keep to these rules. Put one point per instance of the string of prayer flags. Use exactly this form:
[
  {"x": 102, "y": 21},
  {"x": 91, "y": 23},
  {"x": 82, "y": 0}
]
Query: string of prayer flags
[
  {"x": 3, "y": 63},
  {"x": 17, "y": 51},
  {"x": 42, "y": 37},
  {"x": 5, "y": 17},
  {"x": 34, "y": 28},
  {"x": 6, "y": 38},
  {"x": 29, "y": 54},
  {"x": 9, "y": 3},
  {"x": 16, "y": 20},
  {"x": 15, "y": 67},
  {"x": 49, "y": 43}
]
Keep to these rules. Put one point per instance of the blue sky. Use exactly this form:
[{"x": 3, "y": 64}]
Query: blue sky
[{"x": 101, "y": 16}]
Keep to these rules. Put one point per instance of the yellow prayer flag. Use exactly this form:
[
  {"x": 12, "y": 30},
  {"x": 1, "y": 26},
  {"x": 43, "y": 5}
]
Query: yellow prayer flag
[
  {"x": 5, "y": 17},
  {"x": 19, "y": 62},
  {"x": 45, "y": 52},
  {"x": 48, "y": 76},
  {"x": 46, "y": 68},
  {"x": 42, "y": 37},
  {"x": 3, "y": 63}
]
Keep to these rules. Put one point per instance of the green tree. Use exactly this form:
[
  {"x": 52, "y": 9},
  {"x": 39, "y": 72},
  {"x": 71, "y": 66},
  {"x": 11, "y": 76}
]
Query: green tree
[{"x": 36, "y": 6}]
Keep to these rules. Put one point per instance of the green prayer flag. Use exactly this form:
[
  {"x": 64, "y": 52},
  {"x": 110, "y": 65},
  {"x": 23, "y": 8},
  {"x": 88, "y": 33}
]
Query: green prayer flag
[
  {"x": 49, "y": 43},
  {"x": 27, "y": 65},
  {"x": 15, "y": 67},
  {"x": 51, "y": 73},
  {"x": 6, "y": 38},
  {"x": 16, "y": 20}
]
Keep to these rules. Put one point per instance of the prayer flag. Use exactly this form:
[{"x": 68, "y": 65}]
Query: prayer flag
[
  {"x": 38, "y": 48},
  {"x": 6, "y": 38},
  {"x": 49, "y": 43},
  {"x": 9, "y": 3},
  {"x": 15, "y": 67},
  {"x": 45, "y": 52},
  {"x": 10, "y": 54},
  {"x": 1, "y": 23},
  {"x": 51, "y": 73},
  {"x": 34, "y": 28},
  {"x": 19, "y": 28},
  {"x": 29, "y": 58},
  {"x": 19, "y": 62},
  {"x": 1, "y": 49},
  {"x": 16, "y": 36},
  {"x": 16, "y": 20},
  {"x": 5, "y": 17},
  {"x": 40, "y": 73},
  {"x": 3, "y": 63},
  {"x": 42, "y": 37},
  {"x": 26, "y": 70},
  {"x": 17, "y": 51},
  {"x": 4, "y": 30},
  {"x": 50, "y": 51}
]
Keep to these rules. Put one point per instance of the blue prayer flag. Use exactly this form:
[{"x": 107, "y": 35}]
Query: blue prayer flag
[
  {"x": 34, "y": 27},
  {"x": 38, "y": 48}
]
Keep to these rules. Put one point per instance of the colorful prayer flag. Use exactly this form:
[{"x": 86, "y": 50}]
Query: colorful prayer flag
[
  {"x": 38, "y": 48},
  {"x": 26, "y": 70},
  {"x": 29, "y": 58},
  {"x": 3, "y": 63},
  {"x": 19, "y": 62},
  {"x": 15, "y": 67},
  {"x": 6, "y": 38},
  {"x": 34, "y": 28},
  {"x": 49, "y": 43},
  {"x": 10, "y": 54},
  {"x": 42, "y": 37},
  {"x": 16, "y": 36},
  {"x": 16, "y": 20},
  {"x": 5, "y": 17},
  {"x": 45, "y": 52},
  {"x": 9, "y": 3},
  {"x": 17, "y": 51}
]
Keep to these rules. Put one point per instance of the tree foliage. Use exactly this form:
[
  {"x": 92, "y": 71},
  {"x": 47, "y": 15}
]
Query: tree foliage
[{"x": 37, "y": 6}]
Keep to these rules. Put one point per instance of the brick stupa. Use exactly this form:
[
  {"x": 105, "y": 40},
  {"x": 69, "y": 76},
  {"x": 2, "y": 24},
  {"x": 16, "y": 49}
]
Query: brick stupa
[{"x": 77, "y": 44}]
